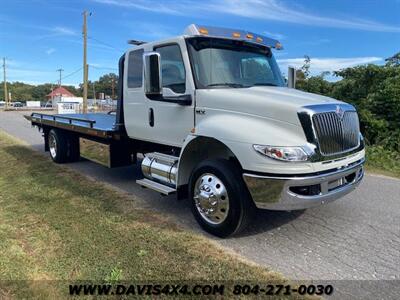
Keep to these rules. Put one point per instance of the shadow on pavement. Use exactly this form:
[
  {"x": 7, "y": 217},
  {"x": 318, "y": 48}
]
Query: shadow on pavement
[{"x": 267, "y": 220}]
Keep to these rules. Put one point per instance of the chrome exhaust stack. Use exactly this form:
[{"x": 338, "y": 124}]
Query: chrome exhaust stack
[{"x": 160, "y": 167}]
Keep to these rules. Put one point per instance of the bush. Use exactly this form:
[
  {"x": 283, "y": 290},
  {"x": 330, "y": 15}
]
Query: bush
[
  {"x": 375, "y": 92},
  {"x": 380, "y": 158}
]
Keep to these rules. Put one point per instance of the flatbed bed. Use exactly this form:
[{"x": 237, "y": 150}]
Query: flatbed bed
[{"x": 93, "y": 124}]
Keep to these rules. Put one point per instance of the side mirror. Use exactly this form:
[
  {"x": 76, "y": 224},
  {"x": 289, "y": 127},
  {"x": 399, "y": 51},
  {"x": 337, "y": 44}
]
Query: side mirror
[
  {"x": 152, "y": 73},
  {"x": 291, "y": 77}
]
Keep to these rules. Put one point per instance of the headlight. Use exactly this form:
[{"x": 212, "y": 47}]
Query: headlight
[{"x": 285, "y": 153}]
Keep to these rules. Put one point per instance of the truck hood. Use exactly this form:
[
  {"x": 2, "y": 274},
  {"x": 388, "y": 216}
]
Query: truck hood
[{"x": 279, "y": 103}]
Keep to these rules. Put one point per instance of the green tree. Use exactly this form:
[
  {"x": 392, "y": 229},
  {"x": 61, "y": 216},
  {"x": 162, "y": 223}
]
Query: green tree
[
  {"x": 316, "y": 84},
  {"x": 393, "y": 60},
  {"x": 103, "y": 85},
  {"x": 374, "y": 90},
  {"x": 306, "y": 66}
]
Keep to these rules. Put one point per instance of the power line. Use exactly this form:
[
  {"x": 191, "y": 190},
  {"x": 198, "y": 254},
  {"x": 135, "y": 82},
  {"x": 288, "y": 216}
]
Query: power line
[
  {"x": 72, "y": 73},
  {"x": 66, "y": 76},
  {"x": 103, "y": 68},
  {"x": 105, "y": 44}
]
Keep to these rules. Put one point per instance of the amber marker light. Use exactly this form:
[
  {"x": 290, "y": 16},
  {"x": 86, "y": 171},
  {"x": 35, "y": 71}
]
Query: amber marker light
[
  {"x": 249, "y": 36},
  {"x": 203, "y": 31},
  {"x": 236, "y": 35}
]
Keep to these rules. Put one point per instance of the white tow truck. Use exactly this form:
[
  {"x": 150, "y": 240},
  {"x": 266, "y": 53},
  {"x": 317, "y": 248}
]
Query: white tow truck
[{"x": 217, "y": 125}]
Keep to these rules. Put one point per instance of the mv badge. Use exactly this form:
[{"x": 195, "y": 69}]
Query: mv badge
[{"x": 339, "y": 112}]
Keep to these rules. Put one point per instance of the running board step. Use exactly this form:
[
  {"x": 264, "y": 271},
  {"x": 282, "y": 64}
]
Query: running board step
[{"x": 161, "y": 188}]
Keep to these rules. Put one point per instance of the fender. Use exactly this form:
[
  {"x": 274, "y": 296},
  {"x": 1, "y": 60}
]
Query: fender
[{"x": 196, "y": 149}]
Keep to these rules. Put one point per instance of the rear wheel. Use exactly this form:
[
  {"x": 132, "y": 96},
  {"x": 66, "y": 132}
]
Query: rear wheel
[
  {"x": 58, "y": 146},
  {"x": 221, "y": 202}
]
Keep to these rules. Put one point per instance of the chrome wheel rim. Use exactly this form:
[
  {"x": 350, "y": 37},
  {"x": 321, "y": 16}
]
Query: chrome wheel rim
[
  {"x": 211, "y": 198},
  {"x": 52, "y": 145}
]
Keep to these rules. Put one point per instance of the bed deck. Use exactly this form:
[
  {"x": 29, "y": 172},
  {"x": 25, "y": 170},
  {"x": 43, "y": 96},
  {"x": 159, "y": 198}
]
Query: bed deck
[{"x": 95, "y": 124}]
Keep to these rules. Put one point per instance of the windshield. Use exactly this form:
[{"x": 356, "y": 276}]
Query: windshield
[{"x": 229, "y": 63}]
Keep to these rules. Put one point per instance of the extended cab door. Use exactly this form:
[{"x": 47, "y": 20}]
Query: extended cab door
[
  {"x": 159, "y": 121},
  {"x": 135, "y": 103},
  {"x": 172, "y": 121}
]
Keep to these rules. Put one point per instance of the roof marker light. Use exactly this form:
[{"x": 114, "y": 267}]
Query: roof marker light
[
  {"x": 236, "y": 35},
  {"x": 278, "y": 46},
  {"x": 203, "y": 31},
  {"x": 249, "y": 36},
  {"x": 258, "y": 39}
]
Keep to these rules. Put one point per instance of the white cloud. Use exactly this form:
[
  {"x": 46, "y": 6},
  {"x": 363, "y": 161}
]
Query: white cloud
[
  {"x": 63, "y": 31},
  {"x": 271, "y": 10},
  {"x": 331, "y": 64},
  {"x": 276, "y": 10},
  {"x": 94, "y": 44},
  {"x": 153, "y": 6},
  {"x": 274, "y": 35},
  {"x": 50, "y": 51},
  {"x": 150, "y": 30},
  {"x": 315, "y": 42},
  {"x": 19, "y": 74},
  {"x": 36, "y": 82},
  {"x": 52, "y": 32}
]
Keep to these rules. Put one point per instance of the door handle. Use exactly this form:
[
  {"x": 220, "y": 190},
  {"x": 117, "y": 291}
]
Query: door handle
[{"x": 151, "y": 117}]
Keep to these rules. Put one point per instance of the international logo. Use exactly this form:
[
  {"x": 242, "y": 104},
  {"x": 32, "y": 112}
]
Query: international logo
[{"x": 339, "y": 112}]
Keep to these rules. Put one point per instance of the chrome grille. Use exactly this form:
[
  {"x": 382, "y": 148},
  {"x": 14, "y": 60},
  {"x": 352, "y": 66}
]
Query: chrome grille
[{"x": 336, "y": 135}]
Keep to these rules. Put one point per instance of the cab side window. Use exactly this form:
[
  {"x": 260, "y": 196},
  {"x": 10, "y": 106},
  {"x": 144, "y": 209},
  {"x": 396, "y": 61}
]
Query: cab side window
[
  {"x": 135, "y": 69},
  {"x": 172, "y": 68}
]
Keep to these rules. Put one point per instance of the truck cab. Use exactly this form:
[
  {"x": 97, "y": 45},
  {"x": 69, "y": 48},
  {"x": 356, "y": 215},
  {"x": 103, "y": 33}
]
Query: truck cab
[{"x": 216, "y": 123}]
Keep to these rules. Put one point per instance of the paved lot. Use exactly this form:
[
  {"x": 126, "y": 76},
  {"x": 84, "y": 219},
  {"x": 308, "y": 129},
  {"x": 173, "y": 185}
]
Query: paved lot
[{"x": 357, "y": 237}]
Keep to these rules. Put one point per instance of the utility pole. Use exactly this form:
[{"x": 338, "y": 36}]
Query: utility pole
[
  {"x": 60, "y": 70},
  {"x": 52, "y": 96},
  {"x": 85, "y": 66},
  {"x": 5, "y": 82},
  {"x": 94, "y": 95},
  {"x": 112, "y": 87}
]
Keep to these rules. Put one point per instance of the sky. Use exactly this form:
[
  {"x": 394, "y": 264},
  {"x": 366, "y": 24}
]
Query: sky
[{"x": 37, "y": 37}]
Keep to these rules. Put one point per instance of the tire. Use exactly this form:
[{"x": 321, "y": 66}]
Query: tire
[
  {"x": 58, "y": 146},
  {"x": 219, "y": 197},
  {"x": 73, "y": 152}
]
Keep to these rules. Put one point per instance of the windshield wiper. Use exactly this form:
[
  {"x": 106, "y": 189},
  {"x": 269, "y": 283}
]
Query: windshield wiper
[
  {"x": 230, "y": 84},
  {"x": 264, "y": 83}
]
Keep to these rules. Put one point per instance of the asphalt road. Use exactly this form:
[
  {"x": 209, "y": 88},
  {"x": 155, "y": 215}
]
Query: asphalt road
[{"x": 357, "y": 237}]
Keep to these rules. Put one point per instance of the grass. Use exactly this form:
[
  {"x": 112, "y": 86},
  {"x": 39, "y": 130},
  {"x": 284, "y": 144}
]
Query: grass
[
  {"x": 383, "y": 161},
  {"x": 94, "y": 151},
  {"x": 58, "y": 226}
]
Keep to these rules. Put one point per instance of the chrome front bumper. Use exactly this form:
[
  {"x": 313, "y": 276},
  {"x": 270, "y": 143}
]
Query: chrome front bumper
[{"x": 300, "y": 192}]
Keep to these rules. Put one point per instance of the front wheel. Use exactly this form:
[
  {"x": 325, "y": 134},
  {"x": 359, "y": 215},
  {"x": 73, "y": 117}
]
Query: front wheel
[{"x": 221, "y": 202}]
